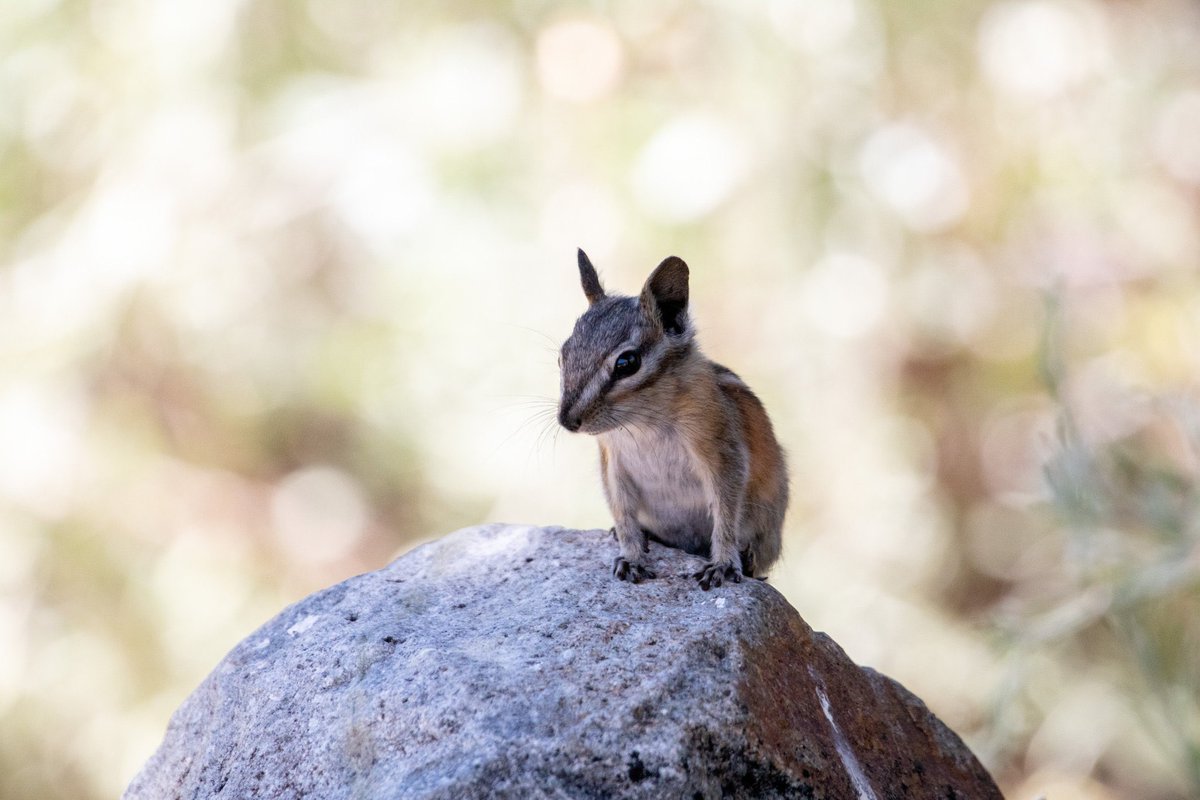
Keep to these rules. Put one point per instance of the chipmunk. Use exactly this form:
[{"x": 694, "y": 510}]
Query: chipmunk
[{"x": 687, "y": 453}]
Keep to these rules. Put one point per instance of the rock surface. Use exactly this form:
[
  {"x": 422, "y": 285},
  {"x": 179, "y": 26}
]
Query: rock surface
[{"x": 505, "y": 661}]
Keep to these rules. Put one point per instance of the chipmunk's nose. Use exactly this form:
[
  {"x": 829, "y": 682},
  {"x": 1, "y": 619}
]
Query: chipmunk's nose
[{"x": 568, "y": 421}]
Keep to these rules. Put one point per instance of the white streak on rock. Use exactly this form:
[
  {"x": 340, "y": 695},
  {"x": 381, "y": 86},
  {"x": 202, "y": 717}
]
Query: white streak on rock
[{"x": 849, "y": 761}]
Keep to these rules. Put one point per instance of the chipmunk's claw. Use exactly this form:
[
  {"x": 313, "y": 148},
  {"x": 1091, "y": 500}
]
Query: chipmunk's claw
[
  {"x": 632, "y": 571},
  {"x": 715, "y": 574}
]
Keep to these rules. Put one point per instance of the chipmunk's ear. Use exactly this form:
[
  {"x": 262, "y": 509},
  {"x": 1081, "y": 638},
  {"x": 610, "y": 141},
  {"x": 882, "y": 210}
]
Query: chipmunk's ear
[
  {"x": 589, "y": 279},
  {"x": 665, "y": 295}
]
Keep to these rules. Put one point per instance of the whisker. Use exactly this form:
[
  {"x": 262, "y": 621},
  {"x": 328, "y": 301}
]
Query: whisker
[
  {"x": 549, "y": 431},
  {"x": 537, "y": 417}
]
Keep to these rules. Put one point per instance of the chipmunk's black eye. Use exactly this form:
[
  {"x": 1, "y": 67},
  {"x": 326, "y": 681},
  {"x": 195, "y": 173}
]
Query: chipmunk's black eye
[{"x": 627, "y": 364}]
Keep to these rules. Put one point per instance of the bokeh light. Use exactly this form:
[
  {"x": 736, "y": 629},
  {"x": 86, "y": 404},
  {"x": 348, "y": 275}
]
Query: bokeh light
[{"x": 282, "y": 286}]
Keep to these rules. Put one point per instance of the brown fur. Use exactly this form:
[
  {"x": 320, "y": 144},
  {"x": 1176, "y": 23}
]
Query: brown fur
[{"x": 687, "y": 453}]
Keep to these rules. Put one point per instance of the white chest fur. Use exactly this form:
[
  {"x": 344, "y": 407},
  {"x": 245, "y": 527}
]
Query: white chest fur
[{"x": 668, "y": 495}]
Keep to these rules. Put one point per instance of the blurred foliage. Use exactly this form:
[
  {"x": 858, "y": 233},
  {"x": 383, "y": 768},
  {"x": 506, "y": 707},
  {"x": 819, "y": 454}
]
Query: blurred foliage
[
  {"x": 1131, "y": 507},
  {"x": 281, "y": 284}
]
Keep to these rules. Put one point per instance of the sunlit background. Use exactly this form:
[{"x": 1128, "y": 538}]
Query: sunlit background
[{"x": 282, "y": 282}]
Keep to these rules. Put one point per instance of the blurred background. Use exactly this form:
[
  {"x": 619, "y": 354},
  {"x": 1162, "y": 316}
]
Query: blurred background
[{"x": 282, "y": 282}]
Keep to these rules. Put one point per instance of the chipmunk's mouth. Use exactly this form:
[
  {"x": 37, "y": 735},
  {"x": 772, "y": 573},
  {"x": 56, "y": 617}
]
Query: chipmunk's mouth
[
  {"x": 588, "y": 426},
  {"x": 591, "y": 424},
  {"x": 595, "y": 426}
]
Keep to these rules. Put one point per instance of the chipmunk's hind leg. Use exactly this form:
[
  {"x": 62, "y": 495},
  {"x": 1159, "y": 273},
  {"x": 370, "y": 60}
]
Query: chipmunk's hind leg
[
  {"x": 764, "y": 524},
  {"x": 750, "y": 566},
  {"x": 748, "y": 563}
]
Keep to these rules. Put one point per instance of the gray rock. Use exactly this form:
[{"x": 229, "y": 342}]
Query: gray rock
[{"x": 505, "y": 661}]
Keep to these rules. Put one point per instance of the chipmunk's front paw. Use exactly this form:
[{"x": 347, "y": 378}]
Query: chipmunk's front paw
[
  {"x": 716, "y": 573},
  {"x": 632, "y": 571}
]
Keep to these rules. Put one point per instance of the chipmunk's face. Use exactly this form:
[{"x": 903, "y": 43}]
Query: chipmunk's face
[{"x": 620, "y": 348}]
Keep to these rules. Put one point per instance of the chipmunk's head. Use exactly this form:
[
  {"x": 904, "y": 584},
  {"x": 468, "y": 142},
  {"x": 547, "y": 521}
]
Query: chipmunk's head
[{"x": 620, "y": 349}]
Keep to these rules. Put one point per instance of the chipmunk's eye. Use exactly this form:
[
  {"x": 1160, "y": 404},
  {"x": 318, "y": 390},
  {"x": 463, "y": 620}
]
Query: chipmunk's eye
[{"x": 627, "y": 364}]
